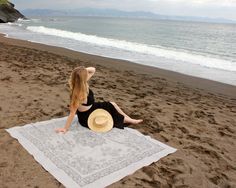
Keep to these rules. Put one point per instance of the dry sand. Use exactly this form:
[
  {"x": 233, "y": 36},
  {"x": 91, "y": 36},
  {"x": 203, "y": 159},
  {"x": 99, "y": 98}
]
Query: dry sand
[{"x": 196, "y": 116}]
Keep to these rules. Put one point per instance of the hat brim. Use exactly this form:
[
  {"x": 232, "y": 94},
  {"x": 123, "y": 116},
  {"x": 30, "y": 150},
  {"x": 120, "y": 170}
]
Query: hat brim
[{"x": 100, "y": 112}]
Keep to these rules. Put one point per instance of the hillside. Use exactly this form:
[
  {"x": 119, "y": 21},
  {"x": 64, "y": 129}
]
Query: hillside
[{"x": 8, "y": 13}]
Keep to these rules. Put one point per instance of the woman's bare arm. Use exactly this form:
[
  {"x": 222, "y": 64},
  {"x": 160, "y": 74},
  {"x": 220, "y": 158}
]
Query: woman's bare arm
[
  {"x": 91, "y": 71},
  {"x": 68, "y": 121}
]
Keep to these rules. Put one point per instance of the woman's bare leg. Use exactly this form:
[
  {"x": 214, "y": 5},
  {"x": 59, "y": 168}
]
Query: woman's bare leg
[
  {"x": 119, "y": 110},
  {"x": 127, "y": 119}
]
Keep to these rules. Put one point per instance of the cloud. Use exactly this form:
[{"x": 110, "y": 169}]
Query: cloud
[
  {"x": 125, "y": 4},
  {"x": 228, "y": 3},
  {"x": 204, "y": 8},
  {"x": 199, "y": 2}
]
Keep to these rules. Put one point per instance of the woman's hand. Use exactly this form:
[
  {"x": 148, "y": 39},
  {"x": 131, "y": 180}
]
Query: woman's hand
[
  {"x": 91, "y": 71},
  {"x": 63, "y": 130}
]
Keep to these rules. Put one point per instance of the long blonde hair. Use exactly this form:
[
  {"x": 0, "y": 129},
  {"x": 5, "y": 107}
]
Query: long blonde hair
[{"x": 78, "y": 86}]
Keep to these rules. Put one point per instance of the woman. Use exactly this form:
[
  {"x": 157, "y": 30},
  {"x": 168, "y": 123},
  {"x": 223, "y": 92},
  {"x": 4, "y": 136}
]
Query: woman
[{"x": 82, "y": 101}]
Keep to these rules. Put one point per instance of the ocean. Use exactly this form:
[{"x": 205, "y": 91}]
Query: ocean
[{"x": 206, "y": 50}]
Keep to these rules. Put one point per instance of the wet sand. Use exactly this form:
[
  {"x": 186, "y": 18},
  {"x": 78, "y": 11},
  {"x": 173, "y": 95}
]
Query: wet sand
[{"x": 196, "y": 116}]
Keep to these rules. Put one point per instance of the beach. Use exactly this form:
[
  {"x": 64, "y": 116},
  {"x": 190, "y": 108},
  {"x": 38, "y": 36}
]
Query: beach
[{"x": 194, "y": 115}]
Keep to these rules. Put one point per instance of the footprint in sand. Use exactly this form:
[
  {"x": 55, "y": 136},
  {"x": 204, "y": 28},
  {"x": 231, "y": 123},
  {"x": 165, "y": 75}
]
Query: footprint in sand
[
  {"x": 3, "y": 164},
  {"x": 193, "y": 137},
  {"x": 205, "y": 115},
  {"x": 183, "y": 130},
  {"x": 6, "y": 78}
]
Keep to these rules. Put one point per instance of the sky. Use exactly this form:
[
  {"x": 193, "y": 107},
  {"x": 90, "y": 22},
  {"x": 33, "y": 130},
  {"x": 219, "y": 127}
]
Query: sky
[{"x": 200, "y": 8}]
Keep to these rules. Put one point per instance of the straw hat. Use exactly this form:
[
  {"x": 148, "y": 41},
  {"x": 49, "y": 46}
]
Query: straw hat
[{"x": 100, "y": 120}]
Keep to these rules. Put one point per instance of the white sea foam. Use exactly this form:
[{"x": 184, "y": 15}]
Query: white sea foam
[
  {"x": 23, "y": 20},
  {"x": 138, "y": 48},
  {"x": 20, "y": 20},
  {"x": 14, "y": 23},
  {"x": 228, "y": 77}
]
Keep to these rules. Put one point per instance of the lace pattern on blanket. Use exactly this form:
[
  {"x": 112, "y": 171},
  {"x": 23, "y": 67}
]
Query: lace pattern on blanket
[{"x": 85, "y": 155}]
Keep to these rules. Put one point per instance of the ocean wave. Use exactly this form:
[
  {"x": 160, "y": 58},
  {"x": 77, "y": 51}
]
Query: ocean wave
[
  {"x": 205, "y": 61},
  {"x": 14, "y": 24},
  {"x": 22, "y": 20}
]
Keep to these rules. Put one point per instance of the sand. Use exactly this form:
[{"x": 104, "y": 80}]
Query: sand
[{"x": 196, "y": 116}]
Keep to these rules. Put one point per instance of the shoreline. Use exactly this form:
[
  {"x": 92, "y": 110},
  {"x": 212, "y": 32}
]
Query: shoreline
[
  {"x": 190, "y": 81},
  {"x": 199, "y": 123}
]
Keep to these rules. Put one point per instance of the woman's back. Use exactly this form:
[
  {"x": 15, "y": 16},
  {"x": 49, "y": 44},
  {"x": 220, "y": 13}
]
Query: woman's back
[
  {"x": 90, "y": 98},
  {"x": 88, "y": 103}
]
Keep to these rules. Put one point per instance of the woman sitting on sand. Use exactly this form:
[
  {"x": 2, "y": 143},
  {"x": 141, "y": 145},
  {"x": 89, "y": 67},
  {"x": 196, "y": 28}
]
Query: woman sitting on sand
[{"x": 83, "y": 104}]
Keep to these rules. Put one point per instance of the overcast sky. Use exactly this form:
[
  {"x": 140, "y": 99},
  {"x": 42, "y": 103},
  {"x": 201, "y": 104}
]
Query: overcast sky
[{"x": 202, "y": 8}]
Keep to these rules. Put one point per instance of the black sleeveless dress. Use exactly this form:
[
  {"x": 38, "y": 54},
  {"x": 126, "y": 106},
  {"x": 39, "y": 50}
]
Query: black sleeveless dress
[{"x": 83, "y": 116}]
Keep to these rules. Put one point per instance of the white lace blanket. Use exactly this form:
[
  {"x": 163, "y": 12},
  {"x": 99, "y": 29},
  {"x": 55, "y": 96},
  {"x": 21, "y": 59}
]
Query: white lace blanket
[{"x": 83, "y": 158}]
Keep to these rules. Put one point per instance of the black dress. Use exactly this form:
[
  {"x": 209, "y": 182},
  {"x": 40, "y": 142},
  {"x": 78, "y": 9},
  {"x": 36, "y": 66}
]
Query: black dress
[{"x": 83, "y": 116}]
